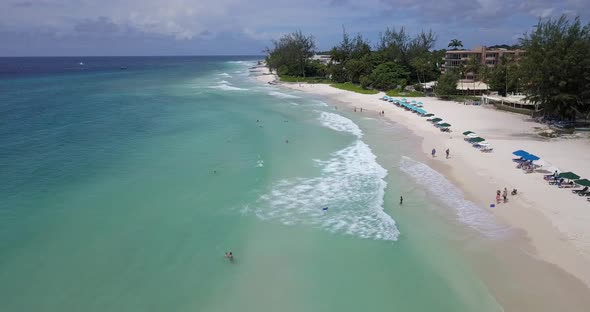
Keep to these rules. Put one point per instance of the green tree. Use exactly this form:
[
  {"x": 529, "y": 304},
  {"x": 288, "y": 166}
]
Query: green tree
[
  {"x": 399, "y": 47},
  {"x": 388, "y": 76},
  {"x": 421, "y": 65},
  {"x": 506, "y": 76},
  {"x": 455, "y": 44},
  {"x": 355, "y": 68},
  {"x": 446, "y": 84},
  {"x": 556, "y": 67},
  {"x": 473, "y": 66},
  {"x": 291, "y": 54}
]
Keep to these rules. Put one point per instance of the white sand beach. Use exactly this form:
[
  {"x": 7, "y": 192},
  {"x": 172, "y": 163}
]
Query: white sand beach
[{"x": 556, "y": 222}]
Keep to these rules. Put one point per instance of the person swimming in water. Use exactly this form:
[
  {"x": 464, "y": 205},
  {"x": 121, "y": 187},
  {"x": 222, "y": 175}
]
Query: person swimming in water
[{"x": 230, "y": 256}]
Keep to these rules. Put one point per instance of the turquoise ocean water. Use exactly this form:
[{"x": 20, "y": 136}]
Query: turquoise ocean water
[{"x": 121, "y": 190}]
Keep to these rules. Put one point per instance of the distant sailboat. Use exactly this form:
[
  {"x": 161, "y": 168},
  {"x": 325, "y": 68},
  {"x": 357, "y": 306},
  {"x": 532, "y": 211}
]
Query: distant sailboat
[{"x": 81, "y": 63}]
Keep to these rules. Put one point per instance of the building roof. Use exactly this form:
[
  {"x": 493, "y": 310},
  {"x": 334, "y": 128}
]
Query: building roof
[
  {"x": 514, "y": 99},
  {"x": 471, "y": 85}
]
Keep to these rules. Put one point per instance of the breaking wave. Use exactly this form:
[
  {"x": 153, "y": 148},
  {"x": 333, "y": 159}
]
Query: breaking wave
[
  {"x": 351, "y": 185},
  {"x": 340, "y": 123},
  {"x": 283, "y": 95}
]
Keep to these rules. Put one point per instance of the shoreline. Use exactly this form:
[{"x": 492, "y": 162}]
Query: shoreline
[{"x": 553, "y": 221}]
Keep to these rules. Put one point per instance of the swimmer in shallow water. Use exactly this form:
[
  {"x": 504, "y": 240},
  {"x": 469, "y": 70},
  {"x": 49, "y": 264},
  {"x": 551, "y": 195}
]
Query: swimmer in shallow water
[{"x": 230, "y": 256}]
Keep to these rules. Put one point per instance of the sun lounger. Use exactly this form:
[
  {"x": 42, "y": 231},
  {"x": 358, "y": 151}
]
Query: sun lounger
[
  {"x": 584, "y": 190},
  {"x": 487, "y": 149},
  {"x": 586, "y": 193},
  {"x": 567, "y": 185}
]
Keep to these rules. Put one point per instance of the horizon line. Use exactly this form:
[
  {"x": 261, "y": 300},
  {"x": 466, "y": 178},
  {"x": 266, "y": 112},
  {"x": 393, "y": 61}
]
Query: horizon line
[{"x": 169, "y": 55}]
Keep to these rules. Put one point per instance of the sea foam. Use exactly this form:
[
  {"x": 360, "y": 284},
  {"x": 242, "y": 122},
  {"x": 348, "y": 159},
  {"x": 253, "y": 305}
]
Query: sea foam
[
  {"x": 351, "y": 185},
  {"x": 452, "y": 197},
  {"x": 340, "y": 123},
  {"x": 283, "y": 95},
  {"x": 226, "y": 87}
]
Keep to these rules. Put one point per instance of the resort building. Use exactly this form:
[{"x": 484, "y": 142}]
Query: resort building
[
  {"x": 325, "y": 59},
  {"x": 488, "y": 57}
]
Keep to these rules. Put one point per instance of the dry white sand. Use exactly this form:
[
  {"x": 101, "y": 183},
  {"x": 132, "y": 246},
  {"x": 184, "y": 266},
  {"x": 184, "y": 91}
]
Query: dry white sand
[{"x": 556, "y": 222}]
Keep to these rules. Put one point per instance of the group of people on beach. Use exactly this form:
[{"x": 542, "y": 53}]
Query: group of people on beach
[{"x": 503, "y": 195}]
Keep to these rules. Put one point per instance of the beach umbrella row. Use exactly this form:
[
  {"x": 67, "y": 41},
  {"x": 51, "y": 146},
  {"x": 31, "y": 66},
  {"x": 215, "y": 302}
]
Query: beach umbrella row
[{"x": 416, "y": 107}]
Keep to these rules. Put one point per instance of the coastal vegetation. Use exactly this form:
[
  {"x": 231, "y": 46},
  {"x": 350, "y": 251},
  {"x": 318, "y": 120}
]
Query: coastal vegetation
[
  {"x": 556, "y": 69},
  {"x": 396, "y": 61},
  {"x": 348, "y": 86},
  {"x": 553, "y": 72}
]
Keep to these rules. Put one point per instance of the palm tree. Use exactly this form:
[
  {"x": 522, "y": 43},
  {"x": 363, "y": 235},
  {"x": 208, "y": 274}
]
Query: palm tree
[{"x": 455, "y": 43}]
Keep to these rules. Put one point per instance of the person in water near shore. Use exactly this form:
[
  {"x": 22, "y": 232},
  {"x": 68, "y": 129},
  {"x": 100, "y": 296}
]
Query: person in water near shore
[
  {"x": 448, "y": 151},
  {"x": 230, "y": 256},
  {"x": 401, "y": 200},
  {"x": 433, "y": 153}
]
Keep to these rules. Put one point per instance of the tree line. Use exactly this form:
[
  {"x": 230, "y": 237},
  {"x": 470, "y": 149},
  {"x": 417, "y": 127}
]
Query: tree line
[{"x": 554, "y": 72}]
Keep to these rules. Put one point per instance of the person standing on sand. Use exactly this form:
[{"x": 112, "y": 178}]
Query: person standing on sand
[
  {"x": 448, "y": 151},
  {"x": 361, "y": 109},
  {"x": 505, "y": 195},
  {"x": 433, "y": 153}
]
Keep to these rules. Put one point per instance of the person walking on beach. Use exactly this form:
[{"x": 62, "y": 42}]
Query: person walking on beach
[
  {"x": 433, "y": 153},
  {"x": 448, "y": 151},
  {"x": 505, "y": 195},
  {"x": 498, "y": 196},
  {"x": 401, "y": 200}
]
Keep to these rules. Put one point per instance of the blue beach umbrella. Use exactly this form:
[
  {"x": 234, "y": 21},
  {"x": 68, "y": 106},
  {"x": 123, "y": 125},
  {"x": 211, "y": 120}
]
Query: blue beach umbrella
[
  {"x": 531, "y": 157},
  {"x": 520, "y": 153}
]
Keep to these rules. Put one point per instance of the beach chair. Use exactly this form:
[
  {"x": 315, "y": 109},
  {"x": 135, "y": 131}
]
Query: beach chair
[
  {"x": 487, "y": 149},
  {"x": 567, "y": 185},
  {"x": 580, "y": 191}
]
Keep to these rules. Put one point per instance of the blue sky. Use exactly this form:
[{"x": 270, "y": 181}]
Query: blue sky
[{"x": 207, "y": 27}]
